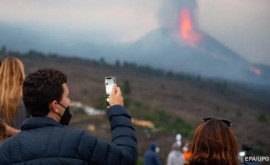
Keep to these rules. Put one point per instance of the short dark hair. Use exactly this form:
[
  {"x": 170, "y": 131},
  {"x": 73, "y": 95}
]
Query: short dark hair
[{"x": 41, "y": 88}]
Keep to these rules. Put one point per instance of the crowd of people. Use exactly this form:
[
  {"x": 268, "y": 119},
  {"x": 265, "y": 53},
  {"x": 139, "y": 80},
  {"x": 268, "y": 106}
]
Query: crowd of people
[
  {"x": 34, "y": 115},
  {"x": 176, "y": 156}
]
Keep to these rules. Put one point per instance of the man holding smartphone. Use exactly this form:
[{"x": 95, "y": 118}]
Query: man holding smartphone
[{"x": 44, "y": 139}]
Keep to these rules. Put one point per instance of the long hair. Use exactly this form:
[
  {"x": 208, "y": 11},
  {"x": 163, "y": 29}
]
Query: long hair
[
  {"x": 11, "y": 80},
  {"x": 214, "y": 143}
]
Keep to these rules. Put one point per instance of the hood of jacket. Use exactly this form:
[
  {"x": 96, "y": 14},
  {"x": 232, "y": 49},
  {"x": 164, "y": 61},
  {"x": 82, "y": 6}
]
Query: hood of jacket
[{"x": 153, "y": 146}]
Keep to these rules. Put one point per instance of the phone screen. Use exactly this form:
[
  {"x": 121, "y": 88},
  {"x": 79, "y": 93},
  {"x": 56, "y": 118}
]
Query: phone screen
[{"x": 109, "y": 82}]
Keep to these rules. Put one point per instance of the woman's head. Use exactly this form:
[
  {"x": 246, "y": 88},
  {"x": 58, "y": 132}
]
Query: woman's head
[
  {"x": 214, "y": 143},
  {"x": 12, "y": 69},
  {"x": 11, "y": 80}
]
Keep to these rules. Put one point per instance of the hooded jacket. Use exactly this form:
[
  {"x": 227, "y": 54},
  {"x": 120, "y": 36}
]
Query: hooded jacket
[{"x": 150, "y": 156}]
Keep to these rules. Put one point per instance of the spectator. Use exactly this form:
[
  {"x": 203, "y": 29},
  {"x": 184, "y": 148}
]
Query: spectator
[
  {"x": 186, "y": 151},
  {"x": 44, "y": 139},
  {"x": 214, "y": 143},
  {"x": 175, "y": 157},
  {"x": 12, "y": 109},
  {"x": 151, "y": 156}
]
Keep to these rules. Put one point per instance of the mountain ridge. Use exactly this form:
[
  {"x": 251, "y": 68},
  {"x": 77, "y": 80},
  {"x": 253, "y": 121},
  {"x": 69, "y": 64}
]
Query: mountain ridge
[{"x": 158, "y": 49}]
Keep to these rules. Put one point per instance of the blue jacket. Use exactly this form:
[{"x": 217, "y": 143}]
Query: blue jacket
[
  {"x": 43, "y": 141},
  {"x": 150, "y": 156}
]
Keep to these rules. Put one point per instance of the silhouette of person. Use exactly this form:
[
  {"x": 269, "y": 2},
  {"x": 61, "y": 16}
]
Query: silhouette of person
[
  {"x": 175, "y": 157},
  {"x": 151, "y": 156},
  {"x": 186, "y": 150}
]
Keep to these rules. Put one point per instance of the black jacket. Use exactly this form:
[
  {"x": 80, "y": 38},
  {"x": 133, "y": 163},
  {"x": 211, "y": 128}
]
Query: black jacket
[{"x": 43, "y": 141}]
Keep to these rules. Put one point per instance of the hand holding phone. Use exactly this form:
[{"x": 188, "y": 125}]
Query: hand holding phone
[{"x": 113, "y": 93}]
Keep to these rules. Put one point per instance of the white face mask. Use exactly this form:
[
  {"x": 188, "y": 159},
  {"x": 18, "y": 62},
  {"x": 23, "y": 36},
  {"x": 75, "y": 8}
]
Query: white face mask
[
  {"x": 157, "y": 149},
  {"x": 185, "y": 149}
]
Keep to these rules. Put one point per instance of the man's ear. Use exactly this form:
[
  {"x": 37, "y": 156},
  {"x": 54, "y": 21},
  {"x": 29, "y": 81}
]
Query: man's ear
[{"x": 53, "y": 106}]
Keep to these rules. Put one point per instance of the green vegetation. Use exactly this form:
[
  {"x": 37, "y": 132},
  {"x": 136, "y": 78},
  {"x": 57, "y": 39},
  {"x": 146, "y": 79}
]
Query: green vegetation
[
  {"x": 140, "y": 160},
  {"x": 262, "y": 118},
  {"x": 161, "y": 118},
  {"x": 102, "y": 60},
  {"x": 101, "y": 103}
]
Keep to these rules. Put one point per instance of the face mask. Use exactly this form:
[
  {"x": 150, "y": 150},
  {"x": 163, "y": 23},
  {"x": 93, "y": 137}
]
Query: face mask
[
  {"x": 65, "y": 119},
  {"x": 157, "y": 149},
  {"x": 185, "y": 149}
]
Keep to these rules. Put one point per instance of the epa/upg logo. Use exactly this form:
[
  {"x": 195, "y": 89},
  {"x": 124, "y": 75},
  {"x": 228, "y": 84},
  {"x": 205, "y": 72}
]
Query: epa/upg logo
[{"x": 256, "y": 158}]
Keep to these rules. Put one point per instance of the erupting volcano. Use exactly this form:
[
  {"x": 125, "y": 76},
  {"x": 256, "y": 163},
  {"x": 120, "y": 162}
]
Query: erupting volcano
[
  {"x": 180, "y": 46},
  {"x": 195, "y": 39}
]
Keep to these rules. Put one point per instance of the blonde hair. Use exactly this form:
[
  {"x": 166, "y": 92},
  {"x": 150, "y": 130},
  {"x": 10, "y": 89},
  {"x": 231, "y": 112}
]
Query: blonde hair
[{"x": 11, "y": 80}]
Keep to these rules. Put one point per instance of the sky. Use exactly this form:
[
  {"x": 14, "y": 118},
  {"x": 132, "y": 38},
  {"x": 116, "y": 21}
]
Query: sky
[{"x": 242, "y": 25}]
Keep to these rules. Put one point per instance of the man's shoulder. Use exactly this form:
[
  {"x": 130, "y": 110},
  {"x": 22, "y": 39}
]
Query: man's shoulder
[{"x": 49, "y": 132}]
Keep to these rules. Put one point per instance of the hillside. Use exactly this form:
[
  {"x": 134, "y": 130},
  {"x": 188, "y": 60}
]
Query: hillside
[{"x": 174, "y": 102}]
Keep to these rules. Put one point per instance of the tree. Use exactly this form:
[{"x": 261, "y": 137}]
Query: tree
[
  {"x": 126, "y": 87},
  {"x": 117, "y": 64},
  {"x": 102, "y": 60},
  {"x": 3, "y": 50}
]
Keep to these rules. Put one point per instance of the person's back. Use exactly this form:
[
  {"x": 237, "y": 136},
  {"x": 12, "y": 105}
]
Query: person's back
[
  {"x": 175, "y": 157},
  {"x": 45, "y": 141},
  {"x": 54, "y": 144},
  {"x": 186, "y": 151},
  {"x": 150, "y": 156}
]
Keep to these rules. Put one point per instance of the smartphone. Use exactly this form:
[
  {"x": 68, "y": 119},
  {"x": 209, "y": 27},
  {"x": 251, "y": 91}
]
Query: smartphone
[{"x": 109, "y": 82}]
